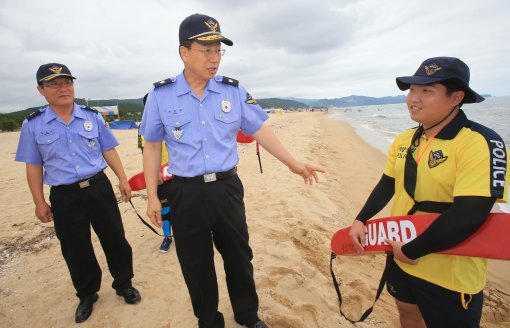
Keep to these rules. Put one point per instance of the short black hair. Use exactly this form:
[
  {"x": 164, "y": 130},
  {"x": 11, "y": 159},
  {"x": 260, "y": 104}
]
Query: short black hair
[
  {"x": 185, "y": 44},
  {"x": 451, "y": 87}
]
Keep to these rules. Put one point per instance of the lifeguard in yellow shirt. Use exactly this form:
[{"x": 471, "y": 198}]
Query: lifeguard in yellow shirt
[{"x": 448, "y": 165}]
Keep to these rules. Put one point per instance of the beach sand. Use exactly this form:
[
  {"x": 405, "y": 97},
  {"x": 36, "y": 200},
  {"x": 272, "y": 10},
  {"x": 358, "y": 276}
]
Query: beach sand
[{"x": 290, "y": 226}]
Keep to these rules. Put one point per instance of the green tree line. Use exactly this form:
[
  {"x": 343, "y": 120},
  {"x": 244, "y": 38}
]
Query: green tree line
[{"x": 129, "y": 109}]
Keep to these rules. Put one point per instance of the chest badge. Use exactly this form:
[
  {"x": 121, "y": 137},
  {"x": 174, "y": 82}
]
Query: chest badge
[
  {"x": 436, "y": 158},
  {"x": 177, "y": 133},
  {"x": 87, "y": 126},
  {"x": 226, "y": 107},
  {"x": 91, "y": 143}
]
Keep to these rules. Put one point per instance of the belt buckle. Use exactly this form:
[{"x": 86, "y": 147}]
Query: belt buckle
[
  {"x": 84, "y": 184},
  {"x": 210, "y": 177}
]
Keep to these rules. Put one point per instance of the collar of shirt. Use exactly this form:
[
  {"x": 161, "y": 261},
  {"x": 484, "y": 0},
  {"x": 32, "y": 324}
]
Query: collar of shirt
[
  {"x": 50, "y": 115},
  {"x": 450, "y": 131},
  {"x": 183, "y": 87}
]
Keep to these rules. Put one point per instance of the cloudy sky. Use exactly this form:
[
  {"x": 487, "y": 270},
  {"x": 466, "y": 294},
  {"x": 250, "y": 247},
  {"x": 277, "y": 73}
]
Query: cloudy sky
[{"x": 282, "y": 48}]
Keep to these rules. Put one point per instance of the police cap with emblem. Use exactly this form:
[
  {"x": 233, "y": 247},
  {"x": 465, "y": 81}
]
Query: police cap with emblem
[
  {"x": 51, "y": 71},
  {"x": 203, "y": 29},
  {"x": 438, "y": 69}
]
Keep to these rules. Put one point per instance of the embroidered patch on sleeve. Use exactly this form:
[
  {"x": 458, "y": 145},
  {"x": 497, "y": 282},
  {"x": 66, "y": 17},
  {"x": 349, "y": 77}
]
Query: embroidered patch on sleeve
[{"x": 250, "y": 100}]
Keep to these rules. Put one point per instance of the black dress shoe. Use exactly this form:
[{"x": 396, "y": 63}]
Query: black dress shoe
[
  {"x": 258, "y": 324},
  {"x": 84, "y": 309},
  {"x": 130, "y": 294}
]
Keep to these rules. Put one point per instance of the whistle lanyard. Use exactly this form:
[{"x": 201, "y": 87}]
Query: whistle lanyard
[{"x": 420, "y": 155}]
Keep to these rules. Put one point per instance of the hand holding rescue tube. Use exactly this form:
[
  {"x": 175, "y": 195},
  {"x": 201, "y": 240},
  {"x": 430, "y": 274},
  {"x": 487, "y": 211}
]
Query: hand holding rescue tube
[{"x": 490, "y": 241}]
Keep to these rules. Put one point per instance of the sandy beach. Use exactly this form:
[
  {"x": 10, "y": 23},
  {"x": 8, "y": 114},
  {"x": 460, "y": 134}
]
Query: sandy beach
[{"x": 290, "y": 226}]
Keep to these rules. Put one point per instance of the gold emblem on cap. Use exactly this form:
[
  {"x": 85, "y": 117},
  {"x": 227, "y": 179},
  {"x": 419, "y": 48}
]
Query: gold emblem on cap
[
  {"x": 55, "y": 69},
  {"x": 212, "y": 25},
  {"x": 432, "y": 68}
]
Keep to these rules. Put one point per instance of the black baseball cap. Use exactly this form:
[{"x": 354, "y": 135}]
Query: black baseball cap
[
  {"x": 202, "y": 29},
  {"x": 51, "y": 71},
  {"x": 438, "y": 69}
]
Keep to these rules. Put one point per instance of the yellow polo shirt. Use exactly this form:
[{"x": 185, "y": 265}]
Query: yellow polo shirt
[
  {"x": 464, "y": 159},
  {"x": 164, "y": 151}
]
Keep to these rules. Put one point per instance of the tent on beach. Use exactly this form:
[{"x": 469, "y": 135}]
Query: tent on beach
[
  {"x": 108, "y": 111},
  {"x": 123, "y": 125}
]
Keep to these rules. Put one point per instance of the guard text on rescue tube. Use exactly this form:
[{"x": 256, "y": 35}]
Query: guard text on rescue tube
[{"x": 402, "y": 231}]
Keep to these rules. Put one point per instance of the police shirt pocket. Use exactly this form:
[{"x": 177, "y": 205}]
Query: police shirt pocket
[
  {"x": 91, "y": 140},
  {"x": 176, "y": 125},
  {"x": 228, "y": 118},
  {"x": 49, "y": 145}
]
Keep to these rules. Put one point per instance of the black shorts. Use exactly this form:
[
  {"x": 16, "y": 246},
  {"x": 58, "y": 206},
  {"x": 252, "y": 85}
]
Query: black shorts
[{"x": 440, "y": 307}]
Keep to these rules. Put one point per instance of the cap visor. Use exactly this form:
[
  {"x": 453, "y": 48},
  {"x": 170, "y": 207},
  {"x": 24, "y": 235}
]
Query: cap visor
[
  {"x": 213, "y": 38},
  {"x": 54, "y": 76}
]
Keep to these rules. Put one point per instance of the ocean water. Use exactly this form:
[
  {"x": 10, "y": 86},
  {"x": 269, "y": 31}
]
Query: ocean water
[{"x": 379, "y": 124}]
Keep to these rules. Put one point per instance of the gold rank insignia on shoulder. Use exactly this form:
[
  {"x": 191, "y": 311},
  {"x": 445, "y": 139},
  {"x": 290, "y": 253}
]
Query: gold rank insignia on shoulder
[
  {"x": 163, "y": 82},
  {"x": 250, "y": 100},
  {"x": 432, "y": 68},
  {"x": 34, "y": 114},
  {"x": 227, "y": 80},
  {"x": 436, "y": 158}
]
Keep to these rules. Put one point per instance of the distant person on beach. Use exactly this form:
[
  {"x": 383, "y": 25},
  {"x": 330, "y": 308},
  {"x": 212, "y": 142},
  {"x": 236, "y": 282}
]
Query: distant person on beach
[
  {"x": 68, "y": 147},
  {"x": 198, "y": 115},
  {"x": 448, "y": 165}
]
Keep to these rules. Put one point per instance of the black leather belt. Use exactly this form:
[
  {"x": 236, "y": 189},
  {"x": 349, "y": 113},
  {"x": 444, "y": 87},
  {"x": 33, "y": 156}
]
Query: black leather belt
[
  {"x": 210, "y": 177},
  {"x": 82, "y": 183}
]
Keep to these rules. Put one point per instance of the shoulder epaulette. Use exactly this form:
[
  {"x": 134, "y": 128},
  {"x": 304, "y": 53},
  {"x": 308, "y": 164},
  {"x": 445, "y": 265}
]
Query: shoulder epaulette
[
  {"x": 229, "y": 80},
  {"x": 34, "y": 113},
  {"x": 163, "y": 82},
  {"x": 89, "y": 109}
]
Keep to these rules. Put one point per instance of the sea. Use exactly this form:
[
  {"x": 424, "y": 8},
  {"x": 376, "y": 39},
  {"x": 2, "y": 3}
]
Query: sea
[{"x": 378, "y": 125}]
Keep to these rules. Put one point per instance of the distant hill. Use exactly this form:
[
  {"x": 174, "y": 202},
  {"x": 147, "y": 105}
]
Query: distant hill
[
  {"x": 133, "y": 108},
  {"x": 352, "y": 101},
  {"x": 281, "y": 103}
]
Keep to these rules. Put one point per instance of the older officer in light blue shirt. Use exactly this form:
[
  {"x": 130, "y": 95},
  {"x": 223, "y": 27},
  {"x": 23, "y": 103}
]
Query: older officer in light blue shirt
[
  {"x": 70, "y": 152},
  {"x": 198, "y": 115},
  {"x": 202, "y": 132},
  {"x": 67, "y": 147}
]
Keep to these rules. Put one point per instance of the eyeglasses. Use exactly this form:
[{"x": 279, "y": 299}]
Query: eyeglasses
[
  {"x": 210, "y": 52},
  {"x": 58, "y": 84}
]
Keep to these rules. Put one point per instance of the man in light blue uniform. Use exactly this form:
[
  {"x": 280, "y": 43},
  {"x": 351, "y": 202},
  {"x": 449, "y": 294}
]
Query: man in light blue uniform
[
  {"x": 67, "y": 147},
  {"x": 198, "y": 115}
]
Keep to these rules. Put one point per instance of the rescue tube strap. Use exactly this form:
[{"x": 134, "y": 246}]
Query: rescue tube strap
[
  {"x": 382, "y": 282},
  {"x": 145, "y": 222}
]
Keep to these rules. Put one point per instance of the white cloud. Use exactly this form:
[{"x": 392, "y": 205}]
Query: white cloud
[{"x": 320, "y": 49}]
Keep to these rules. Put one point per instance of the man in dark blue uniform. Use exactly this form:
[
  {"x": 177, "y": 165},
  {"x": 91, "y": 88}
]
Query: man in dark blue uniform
[
  {"x": 67, "y": 147},
  {"x": 198, "y": 115}
]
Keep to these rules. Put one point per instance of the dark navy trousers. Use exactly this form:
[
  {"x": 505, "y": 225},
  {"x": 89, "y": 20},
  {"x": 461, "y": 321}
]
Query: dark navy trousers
[
  {"x": 207, "y": 214},
  {"x": 75, "y": 210}
]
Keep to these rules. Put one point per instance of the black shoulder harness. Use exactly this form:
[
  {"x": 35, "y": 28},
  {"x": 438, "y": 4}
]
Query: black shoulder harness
[
  {"x": 229, "y": 80},
  {"x": 163, "y": 82}
]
